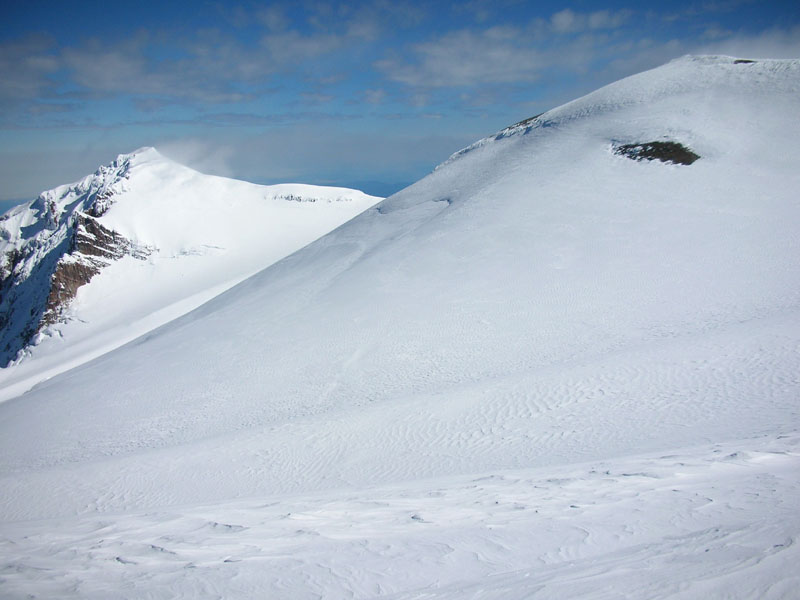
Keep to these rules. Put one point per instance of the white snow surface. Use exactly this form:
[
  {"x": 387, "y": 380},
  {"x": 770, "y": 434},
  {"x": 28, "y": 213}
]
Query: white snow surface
[
  {"x": 543, "y": 371},
  {"x": 205, "y": 234}
]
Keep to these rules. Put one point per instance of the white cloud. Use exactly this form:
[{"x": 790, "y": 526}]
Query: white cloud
[
  {"x": 204, "y": 72},
  {"x": 201, "y": 154},
  {"x": 25, "y": 68},
  {"x": 374, "y": 96},
  {"x": 604, "y": 19},
  {"x": 273, "y": 18},
  {"x": 569, "y": 21},
  {"x": 291, "y": 47},
  {"x": 564, "y": 21},
  {"x": 772, "y": 43},
  {"x": 158, "y": 68},
  {"x": 209, "y": 68},
  {"x": 316, "y": 98},
  {"x": 465, "y": 58},
  {"x": 506, "y": 54}
]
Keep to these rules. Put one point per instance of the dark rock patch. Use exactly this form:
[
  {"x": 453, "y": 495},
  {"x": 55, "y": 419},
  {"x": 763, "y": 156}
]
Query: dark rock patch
[
  {"x": 24, "y": 296},
  {"x": 668, "y": 152},
  {"x": 32, "y": 300},
  {"x": 92, "y": 248},
  {"x": 64, "y": 284},
  {"x": 92, "y": 239},
  {"x": 101, "y": 203},
  {"x": 743, "y": 61}
]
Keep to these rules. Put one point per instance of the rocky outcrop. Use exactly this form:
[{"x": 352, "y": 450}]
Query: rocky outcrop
[
  {"x": 64, "y": 283},
  {"x": 92, "y": 248},
  {"x": 668, "y": 152},
  {"x": 92, "y": 239}
]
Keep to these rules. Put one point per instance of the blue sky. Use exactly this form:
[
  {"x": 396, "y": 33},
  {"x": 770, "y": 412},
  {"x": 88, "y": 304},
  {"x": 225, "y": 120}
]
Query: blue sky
[{"x": 369, "y": 94}]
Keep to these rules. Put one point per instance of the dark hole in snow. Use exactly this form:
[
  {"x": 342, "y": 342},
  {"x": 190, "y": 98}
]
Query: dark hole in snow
[
  {"x": 743, "y": 61},
  {"x": 664, "y": 151}
]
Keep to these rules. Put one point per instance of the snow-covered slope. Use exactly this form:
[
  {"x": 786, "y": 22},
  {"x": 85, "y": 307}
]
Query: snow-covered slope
[
  {"x": 542, "y": 368},
  {"x": 89, "y": 266}
]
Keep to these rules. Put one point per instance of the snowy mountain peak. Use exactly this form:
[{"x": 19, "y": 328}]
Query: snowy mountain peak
[
  {"x": 146, "y": 155},
  {"x": 137, "y": 205},
  {"x": 681, "y": 76},
  {"x": 136, "y": 243},
  {"x": 92, "y": 194},
  {"x": 143, "y": 154}
]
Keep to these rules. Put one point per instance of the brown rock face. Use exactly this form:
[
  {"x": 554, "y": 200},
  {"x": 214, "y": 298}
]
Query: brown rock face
[
  {"x": 64, "y": 284},
  {"x": 92, "y": 239},
  {"x": 668, "y": 152},
  {"x": 93, "y": 247},
  {"x": 36, "y": 287}
]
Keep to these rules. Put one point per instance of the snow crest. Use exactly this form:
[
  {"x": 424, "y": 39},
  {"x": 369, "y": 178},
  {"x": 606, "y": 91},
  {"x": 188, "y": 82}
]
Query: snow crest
[{"x": 690, "y": 73}]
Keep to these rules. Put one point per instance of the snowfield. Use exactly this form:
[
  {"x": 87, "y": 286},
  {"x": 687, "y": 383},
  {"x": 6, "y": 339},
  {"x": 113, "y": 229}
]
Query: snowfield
[
  {"x": 711, "y": 521},
  {"x": 543, "y": 371}
]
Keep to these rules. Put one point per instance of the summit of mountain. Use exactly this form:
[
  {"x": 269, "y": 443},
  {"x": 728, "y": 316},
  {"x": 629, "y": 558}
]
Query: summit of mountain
[{"x": 90, "y": 265}]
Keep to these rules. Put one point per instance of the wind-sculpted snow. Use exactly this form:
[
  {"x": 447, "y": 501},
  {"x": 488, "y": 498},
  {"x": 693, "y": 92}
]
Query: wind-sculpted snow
[
  {"x": 592, "y": 530},
  {"x": 545, "y": 370}
]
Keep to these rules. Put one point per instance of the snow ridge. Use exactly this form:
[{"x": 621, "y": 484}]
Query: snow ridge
[{"x": 688, "y": 73}]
